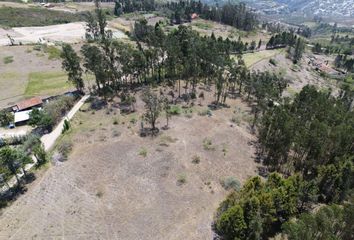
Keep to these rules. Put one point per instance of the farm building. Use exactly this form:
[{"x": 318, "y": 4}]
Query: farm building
[
  {"x": 28, "y": 104},
  {"x": 21, "y": 117}
]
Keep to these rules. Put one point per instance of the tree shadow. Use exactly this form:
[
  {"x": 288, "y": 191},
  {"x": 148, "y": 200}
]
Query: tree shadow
[{"x": 11, "y": 194}]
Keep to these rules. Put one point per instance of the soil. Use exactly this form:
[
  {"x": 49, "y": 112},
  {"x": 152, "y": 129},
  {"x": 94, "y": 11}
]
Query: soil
[{"x": 108, "y": 190}]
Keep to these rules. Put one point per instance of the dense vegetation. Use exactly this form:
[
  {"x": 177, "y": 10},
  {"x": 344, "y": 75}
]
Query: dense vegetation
[
  {"x": 295, "y": 44},
  {"x": 237, "y": 15},
  {"x": 29, "y": 17},
  {"x": 310, "y": 139}
]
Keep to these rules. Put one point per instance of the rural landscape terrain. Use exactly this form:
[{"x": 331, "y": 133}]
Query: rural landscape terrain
[{"x": 147, "y": 119}]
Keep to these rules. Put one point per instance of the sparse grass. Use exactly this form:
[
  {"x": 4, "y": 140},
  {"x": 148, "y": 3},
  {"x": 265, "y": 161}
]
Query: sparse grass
[
  {"x": 224, "y": 149},
  {"x": 143, "y": 152},
  {"x": 47, "y": 83},
  {"x": 208, "y": 144},
  {"x": 133, "y": 120},
  {"x": 181, "y": 179},
  {"x": 33, "y": 16},
  {"x": 203, "y": 25},
  {"x": 115, "y": 121},
  {"x": 236, "y": 119},
  {"x": 204, "y": 112},
  {"x": 230, "y": 183},
  {"x": 166, "y": 140},
  {"x": 53, "y": 52},
  {"x": 188, "y": 113},
  {"x": 8, "y": 59}
]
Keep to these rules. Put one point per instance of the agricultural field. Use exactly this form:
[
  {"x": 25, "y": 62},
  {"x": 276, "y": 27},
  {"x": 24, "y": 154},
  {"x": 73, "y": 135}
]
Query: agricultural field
[
  {"x": 34, "y": 16},
  {"x": 40, "y": 74},
  {"x": 116, "y": 184}
]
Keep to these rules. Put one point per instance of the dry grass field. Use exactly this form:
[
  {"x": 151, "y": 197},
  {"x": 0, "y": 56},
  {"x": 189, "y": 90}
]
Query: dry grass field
[
  {"x": 299, "y": 75},
  {"x": 118, "y": 185}
]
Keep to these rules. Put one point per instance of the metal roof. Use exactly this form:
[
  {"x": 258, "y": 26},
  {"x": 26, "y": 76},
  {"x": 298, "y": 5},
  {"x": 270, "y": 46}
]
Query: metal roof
[
  {"x": 32, "y": 102},
  {"x": 22, "y": 116}
]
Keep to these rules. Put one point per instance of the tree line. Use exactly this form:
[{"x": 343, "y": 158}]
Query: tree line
[
  {"x": 236, "y": 15},
  {"x": 295, "y": 44},
  {"x": 309, "y": 141},
  {"x": 156, "y": 58}
]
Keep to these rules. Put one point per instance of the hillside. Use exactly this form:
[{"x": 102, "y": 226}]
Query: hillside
[{"x": 339, "y": 8}]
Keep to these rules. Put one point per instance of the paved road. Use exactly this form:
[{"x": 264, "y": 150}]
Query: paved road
[{"x": 49, "y": 139}]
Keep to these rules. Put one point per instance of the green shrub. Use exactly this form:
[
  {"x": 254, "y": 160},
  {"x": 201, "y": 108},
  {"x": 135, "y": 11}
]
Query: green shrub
[
  {"x": 207, "y": 144},
  {"x": 8, "y": 59},
  {"x": 143, "y": 152},
  {"x": 196, "y": 159},
  {"x": 52, "y": 51},
  {"x": 66, "y": 126},
  {"x": 273, "y": 61},
  {"x": 231, "y": 183},
  {"x": 64, "y": 148},
  {"x": 175, "y": 110},
  {"x": 6, "y": 118},
  {"x": 181, "y": 179},
  {"x": 40, "y": 154},
  {"x": 37, "y": 47}
]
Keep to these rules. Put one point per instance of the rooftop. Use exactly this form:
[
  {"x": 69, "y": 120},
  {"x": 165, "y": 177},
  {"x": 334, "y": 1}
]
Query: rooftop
[{"x": 32, "y": 102}]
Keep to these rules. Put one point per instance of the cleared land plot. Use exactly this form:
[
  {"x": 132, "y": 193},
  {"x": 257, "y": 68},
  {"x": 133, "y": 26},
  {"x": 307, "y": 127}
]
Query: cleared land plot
[
  {"x": 109, "y": 190},
  {"x": 70, "y": 33},
  {"x": 14, "y": 76}
]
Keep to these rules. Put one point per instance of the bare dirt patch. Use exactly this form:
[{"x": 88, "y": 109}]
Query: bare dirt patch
[{"x": 108, "y": 190}]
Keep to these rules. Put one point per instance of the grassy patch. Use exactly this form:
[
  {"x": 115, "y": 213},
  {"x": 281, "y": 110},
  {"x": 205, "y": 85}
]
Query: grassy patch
[
  {"x": 8, "y": 59},
  {"x": 253, "y": 58},
  {"x": 203, "y": 25},
  {"x": 208, "y": 144},
  {"x": 53, "y": 52},
  {"x": 47, "y": 83},
  {"x": 143, "y": 152},
  {"x": 181, "y": 179},
  {"x": 28, "y": 17}
]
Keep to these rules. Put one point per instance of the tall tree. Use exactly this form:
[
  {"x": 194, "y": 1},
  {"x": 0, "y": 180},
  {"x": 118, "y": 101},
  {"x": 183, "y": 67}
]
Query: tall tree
[{"x": 71, "y": 64}]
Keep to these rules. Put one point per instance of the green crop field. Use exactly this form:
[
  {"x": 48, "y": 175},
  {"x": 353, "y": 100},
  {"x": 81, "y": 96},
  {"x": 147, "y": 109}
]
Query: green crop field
[
  {"x": 29, "y": 17},
  {"x": 47, "y": 83}
]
